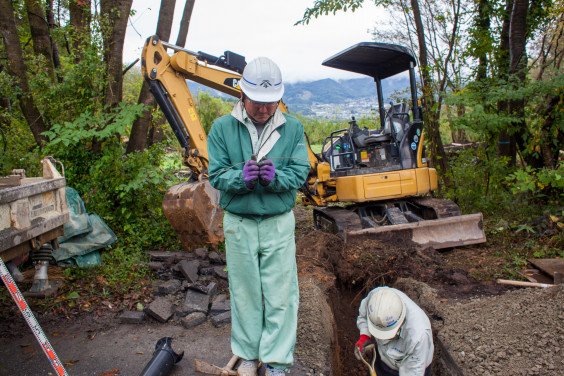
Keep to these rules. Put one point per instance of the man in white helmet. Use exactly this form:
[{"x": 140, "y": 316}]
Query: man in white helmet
[
  {"x": 258, "y": 159},
  {"x": 401, "y": 331}
]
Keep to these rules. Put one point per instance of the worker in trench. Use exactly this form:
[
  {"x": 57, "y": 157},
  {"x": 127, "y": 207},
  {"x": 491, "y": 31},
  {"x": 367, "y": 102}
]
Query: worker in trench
[
  {"x": 401, "y": 332},
  {"x": 258, "y": 159}
]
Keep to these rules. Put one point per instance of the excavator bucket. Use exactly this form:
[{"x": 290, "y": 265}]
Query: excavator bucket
[
  {"x": 193, "y": 211},
  {"x": 456, "y": 231}
]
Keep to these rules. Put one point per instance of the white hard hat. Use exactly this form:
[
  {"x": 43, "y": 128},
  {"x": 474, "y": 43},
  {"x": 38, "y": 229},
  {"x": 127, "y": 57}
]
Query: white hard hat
[
  {"x": 386, "y": 312},
  {"x": 262, "y": 81}
]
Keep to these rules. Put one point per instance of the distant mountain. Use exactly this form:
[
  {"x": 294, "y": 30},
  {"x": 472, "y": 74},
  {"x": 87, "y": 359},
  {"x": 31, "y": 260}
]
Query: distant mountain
[{"x": 357, "y": 94}]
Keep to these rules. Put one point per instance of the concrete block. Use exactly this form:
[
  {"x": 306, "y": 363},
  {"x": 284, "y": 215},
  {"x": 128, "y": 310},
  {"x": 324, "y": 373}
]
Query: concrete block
[
  {"x": 201, "y": 253},
  {"x": 220, "y": 319},
  {"x": 195, "y": 302},
  {"x": 212, "y": 288},
  {"x": 160, "y": 309},
  {"x": 215, "y": 258},
  {"x": 207, "y": 271},
  {"x": 161, "y": 256},
  {"x": 219, "y": 272},
  {"x": 189, "y": 269},
  {"x": 169, "y": 287},
  {"x": 220, "y": 306},
  {"x": 193, "y": 319},
  {"x": 209, "y": 289},
  {"x": 132, "y": 317}
]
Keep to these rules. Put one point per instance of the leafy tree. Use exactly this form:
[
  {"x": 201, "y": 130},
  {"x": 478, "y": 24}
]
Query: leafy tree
[{"x": 43, "y": 80}]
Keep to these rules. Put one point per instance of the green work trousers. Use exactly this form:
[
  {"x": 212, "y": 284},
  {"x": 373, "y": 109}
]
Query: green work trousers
[{"x": 263, "y": 283}]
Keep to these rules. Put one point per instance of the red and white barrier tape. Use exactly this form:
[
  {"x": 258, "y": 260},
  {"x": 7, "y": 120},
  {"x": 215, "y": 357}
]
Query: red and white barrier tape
[{"x": 31, "y": 321}]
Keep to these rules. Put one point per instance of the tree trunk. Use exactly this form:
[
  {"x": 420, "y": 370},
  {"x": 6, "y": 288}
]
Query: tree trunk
[
  {"x": 502, "y": 55},
  {"x": 431, "y": 116},
  {"x": 547, "y": 110},
  {"x": 483, "y": 27},
  {"x": 80, "y": 17},
  {"x": 505, "y": 148},
  {"x": 185, "y": 23},
  {"x": 139, "y": 130},
  {"x": 517, "y": 68},
  {"x": 156, "y": 133},
  {"x": 117, "y": 13},
  {"x": 16, "y": 68},
  {"x": 40, "y": 34},
  {"x": 54, "y": 46}
]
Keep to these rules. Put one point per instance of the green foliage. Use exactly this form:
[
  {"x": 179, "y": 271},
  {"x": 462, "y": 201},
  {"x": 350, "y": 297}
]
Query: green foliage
[
  {"x": 132, "y": 82},
  {"x": 318, "y": 129},
  {"x": 538, "y": 184},
  {"x": 210, "y": 108},
  {"x": 125, "y": 190},
  {"x": 102, "y": 124},
  {"x": 18, "y": 149},
  {"x": 324, "y": 7},
  {"x": 482, "y": 116},
  {"x": 479, "y": 182},
  {"x": 82, "y": 83}
]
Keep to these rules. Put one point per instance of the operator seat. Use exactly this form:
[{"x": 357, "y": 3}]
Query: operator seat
[{"x": 398, "y": 117}]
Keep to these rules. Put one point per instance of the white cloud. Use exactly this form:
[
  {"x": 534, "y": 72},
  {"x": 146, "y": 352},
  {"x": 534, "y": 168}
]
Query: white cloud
[{"x": 261, "y": 28}]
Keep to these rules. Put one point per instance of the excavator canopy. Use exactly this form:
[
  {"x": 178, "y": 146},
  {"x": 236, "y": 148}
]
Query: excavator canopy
[{"x": 378, "y": 60}]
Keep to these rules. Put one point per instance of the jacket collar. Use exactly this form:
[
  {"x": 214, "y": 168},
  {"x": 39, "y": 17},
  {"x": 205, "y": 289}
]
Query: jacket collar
[{"x": 241, "y": 115}]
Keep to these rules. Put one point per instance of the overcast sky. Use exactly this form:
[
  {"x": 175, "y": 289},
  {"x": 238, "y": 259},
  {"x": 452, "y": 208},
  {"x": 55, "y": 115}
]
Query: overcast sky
[{"x": 261, "y": 28}]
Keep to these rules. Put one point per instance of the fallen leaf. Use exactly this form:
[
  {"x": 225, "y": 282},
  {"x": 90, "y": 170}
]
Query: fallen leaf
[{"x": 110, "y": 373}]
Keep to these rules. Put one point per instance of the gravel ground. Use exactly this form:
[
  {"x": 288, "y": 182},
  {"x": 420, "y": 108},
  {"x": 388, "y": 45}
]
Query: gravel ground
[{"x": 520, "y": 333}]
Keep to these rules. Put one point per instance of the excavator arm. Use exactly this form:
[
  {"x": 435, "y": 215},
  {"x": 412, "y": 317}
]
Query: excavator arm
[{"x": 167, "y": 75}]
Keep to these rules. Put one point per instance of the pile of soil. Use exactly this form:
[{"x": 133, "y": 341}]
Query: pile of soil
[{"x": 520, "y": 333}]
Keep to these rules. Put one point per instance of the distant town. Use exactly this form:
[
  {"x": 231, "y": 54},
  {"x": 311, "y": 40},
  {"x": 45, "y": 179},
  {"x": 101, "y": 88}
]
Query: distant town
[{"x": 331, "y": 99}]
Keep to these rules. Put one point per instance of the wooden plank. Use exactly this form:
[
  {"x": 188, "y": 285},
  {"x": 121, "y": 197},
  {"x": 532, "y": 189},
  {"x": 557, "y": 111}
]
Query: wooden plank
[
  {"x": 522, "y": 283},
  {"x": 549, "y": 266}
]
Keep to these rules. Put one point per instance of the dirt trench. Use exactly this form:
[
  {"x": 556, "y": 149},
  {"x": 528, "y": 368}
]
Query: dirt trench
[{"x": 473, "y": 336}]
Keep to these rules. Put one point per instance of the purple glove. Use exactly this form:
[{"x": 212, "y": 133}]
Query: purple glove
[
  {"x": 251, "y": 173},
  {"x": 266, "y": 172}
]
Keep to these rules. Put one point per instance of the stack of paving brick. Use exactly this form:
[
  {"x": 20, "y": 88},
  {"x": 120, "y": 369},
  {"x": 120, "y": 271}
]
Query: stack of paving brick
[{"x": 191, "y": 288}]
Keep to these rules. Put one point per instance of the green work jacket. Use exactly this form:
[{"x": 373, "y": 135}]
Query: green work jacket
[{"x": 230, "y": 146}]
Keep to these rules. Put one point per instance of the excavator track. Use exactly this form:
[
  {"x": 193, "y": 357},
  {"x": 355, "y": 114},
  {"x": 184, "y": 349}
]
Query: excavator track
[
  {"x": 336, "y": 220},
  {"x": 441, "y": 208}
]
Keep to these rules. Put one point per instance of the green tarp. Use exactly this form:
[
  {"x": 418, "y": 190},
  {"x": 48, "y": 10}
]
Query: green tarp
[{"x": 85, "y": 234}]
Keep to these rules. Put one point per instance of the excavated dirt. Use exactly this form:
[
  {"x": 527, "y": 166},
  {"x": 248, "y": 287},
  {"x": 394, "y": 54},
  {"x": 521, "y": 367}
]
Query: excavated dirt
[{"x": 481, "y": 328}]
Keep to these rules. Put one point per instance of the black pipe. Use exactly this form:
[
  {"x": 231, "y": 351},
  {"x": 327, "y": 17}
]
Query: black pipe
[{"x": 164, "y": 358}]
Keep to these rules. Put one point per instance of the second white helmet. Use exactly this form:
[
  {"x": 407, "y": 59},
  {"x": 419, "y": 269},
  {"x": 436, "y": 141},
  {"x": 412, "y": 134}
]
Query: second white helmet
[
  {"x": 262, "y": 81},
  {"x": 386, "y": 312}
]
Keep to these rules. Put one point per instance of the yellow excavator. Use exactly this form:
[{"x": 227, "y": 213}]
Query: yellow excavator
[{"x": 365, "y": 182}]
